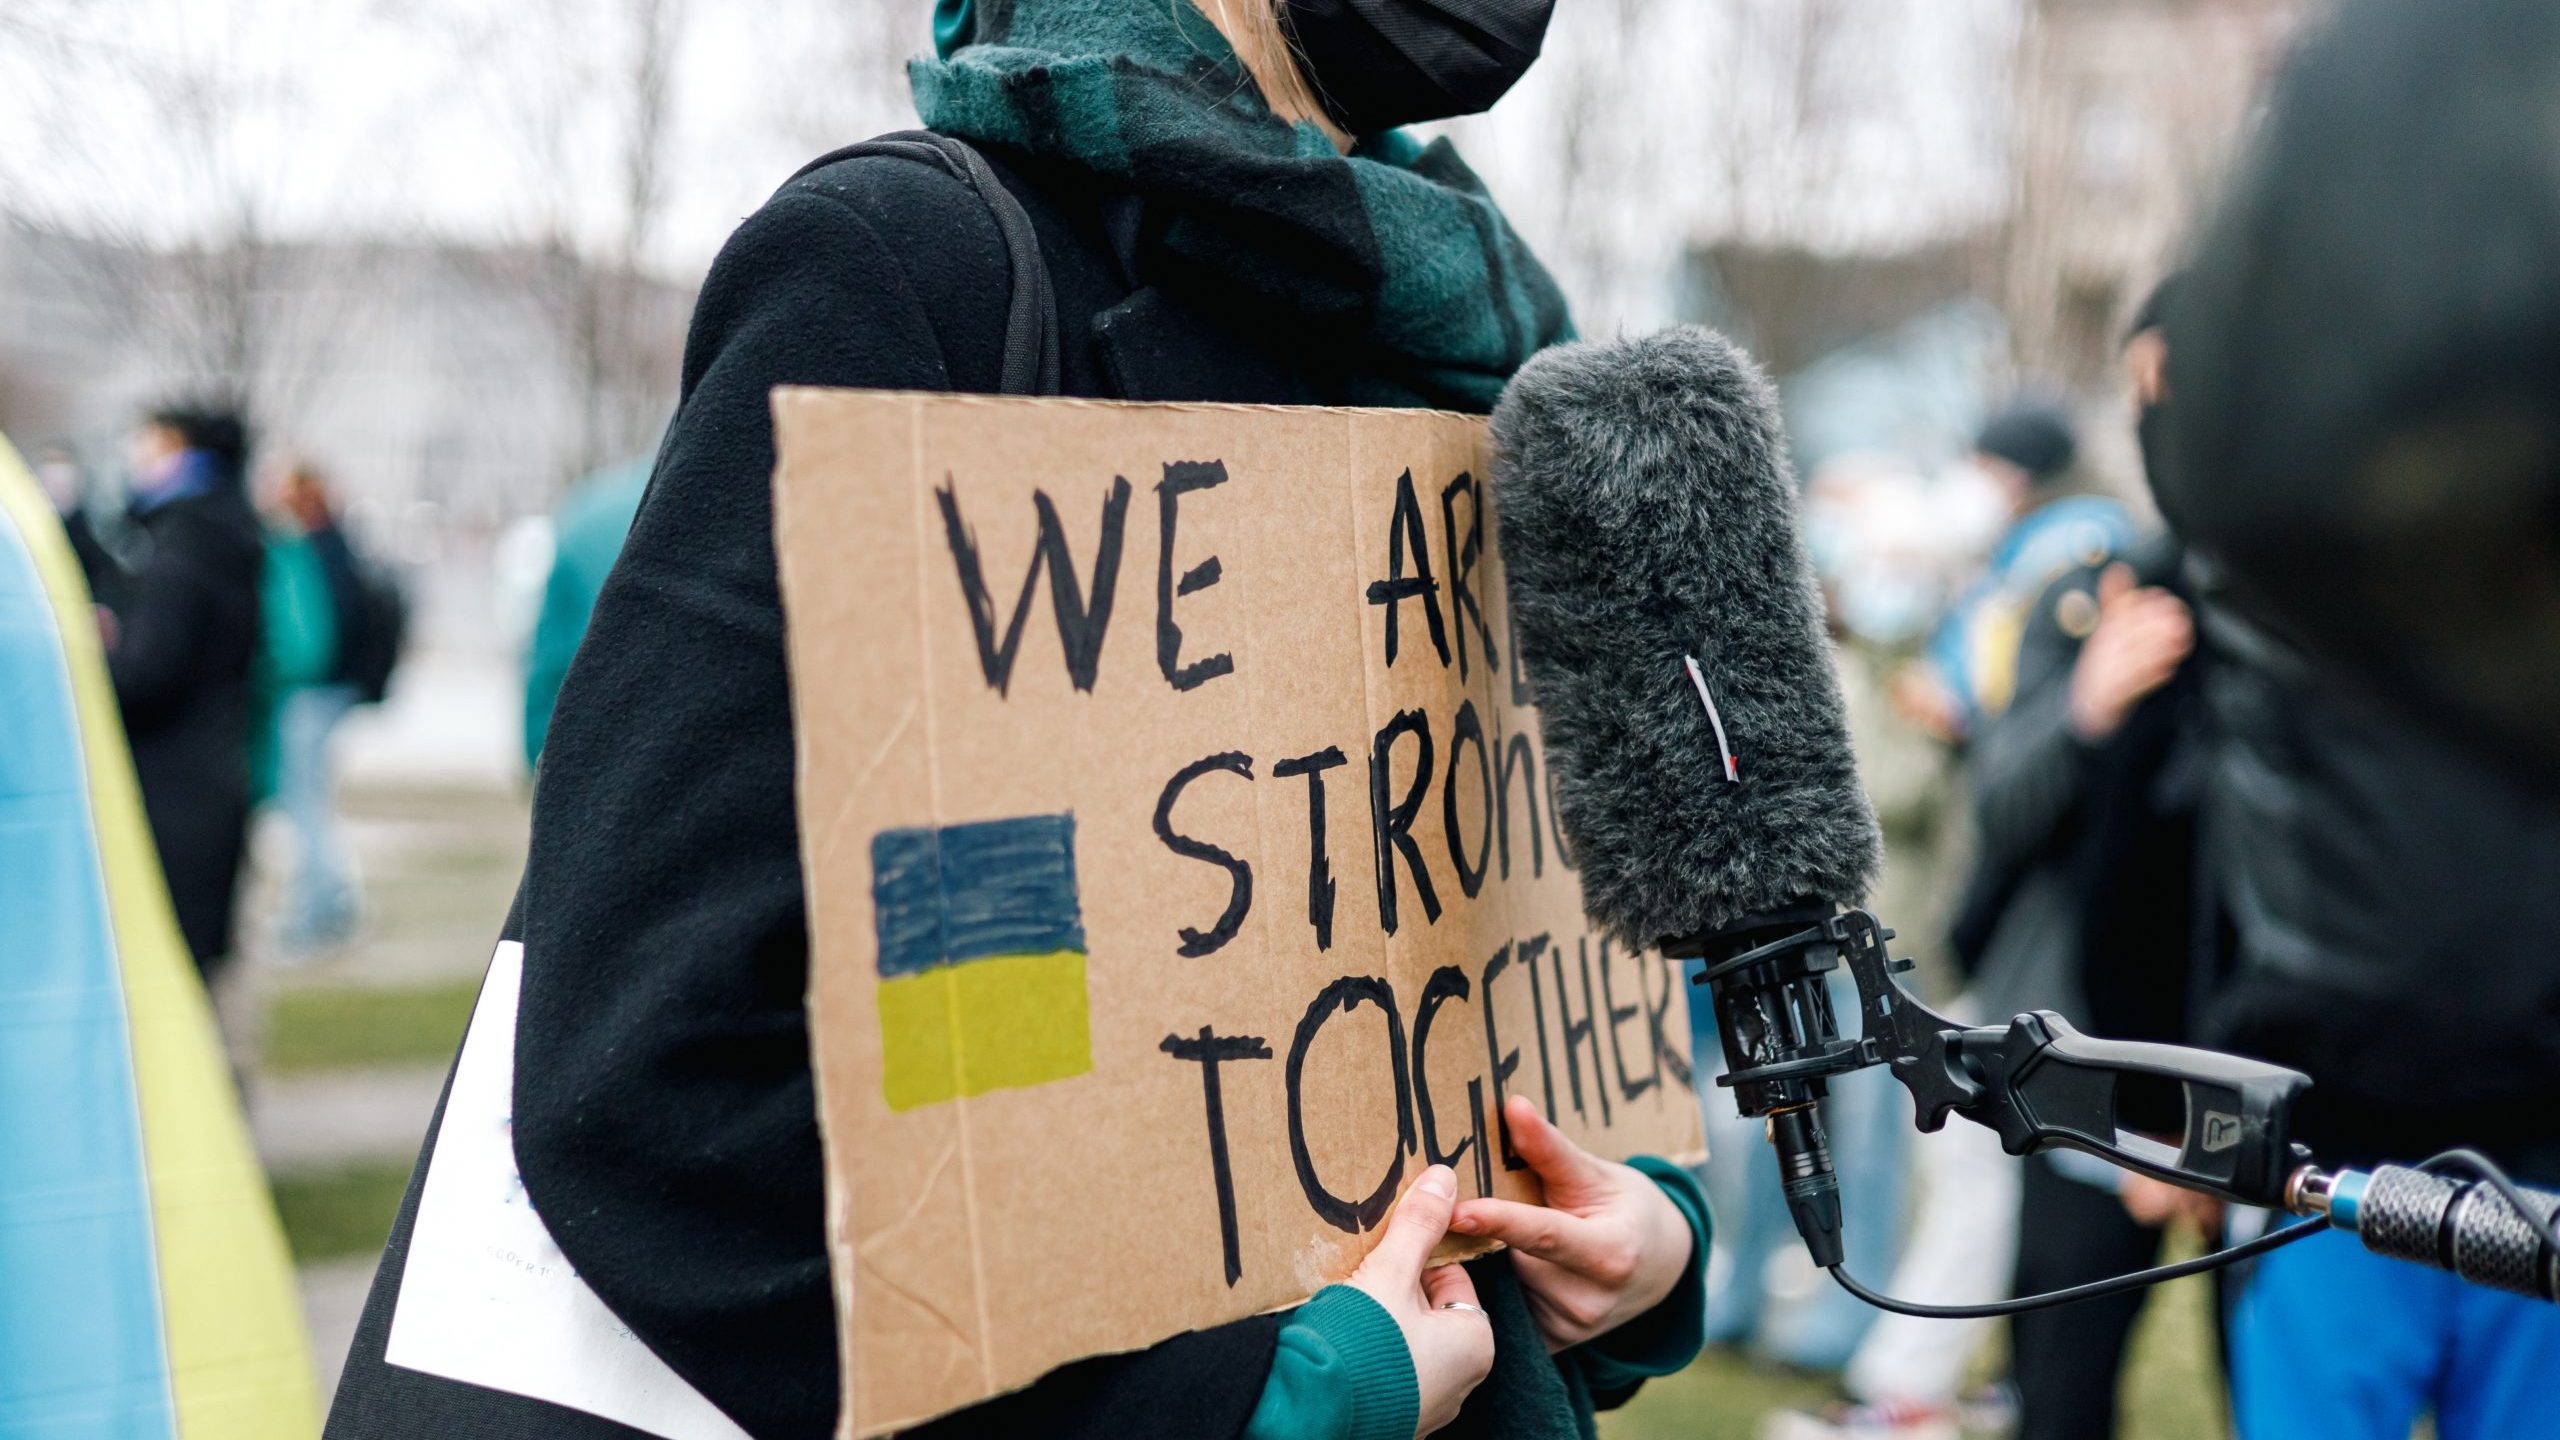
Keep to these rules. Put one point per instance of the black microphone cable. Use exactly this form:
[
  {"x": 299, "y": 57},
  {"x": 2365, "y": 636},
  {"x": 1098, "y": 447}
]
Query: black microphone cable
[
  {"x": 2273, "y": 1239},
  {"x": 2471, "y": 1160}
]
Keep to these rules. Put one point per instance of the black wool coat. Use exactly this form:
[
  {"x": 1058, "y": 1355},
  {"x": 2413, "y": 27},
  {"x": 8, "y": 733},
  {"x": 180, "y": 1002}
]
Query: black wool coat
[
  {"x": 186, "y": 637},
  {"x": 665, "y": 1117}
]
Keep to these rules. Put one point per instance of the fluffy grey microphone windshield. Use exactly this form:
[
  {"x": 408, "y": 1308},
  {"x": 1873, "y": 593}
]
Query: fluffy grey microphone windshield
[{"x": 1647, "y": 513}]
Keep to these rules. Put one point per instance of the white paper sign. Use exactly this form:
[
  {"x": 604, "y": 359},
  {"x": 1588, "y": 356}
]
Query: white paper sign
[{"x": 487, "y": 1298}]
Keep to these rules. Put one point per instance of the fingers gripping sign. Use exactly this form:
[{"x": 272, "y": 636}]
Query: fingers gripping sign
[
  {"x": 1606, "y": 1247},
  {"x": 1449, "y": 1338}
]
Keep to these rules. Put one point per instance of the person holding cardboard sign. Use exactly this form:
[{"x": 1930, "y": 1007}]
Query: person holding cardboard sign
[
  {"x": 1204, "y": 228},
  {"x": 1603, "y": 1257}
]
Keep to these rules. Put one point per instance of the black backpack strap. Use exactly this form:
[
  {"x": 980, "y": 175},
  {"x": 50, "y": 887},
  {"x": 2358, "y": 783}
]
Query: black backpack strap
[{"x": 1031, "y": 317}]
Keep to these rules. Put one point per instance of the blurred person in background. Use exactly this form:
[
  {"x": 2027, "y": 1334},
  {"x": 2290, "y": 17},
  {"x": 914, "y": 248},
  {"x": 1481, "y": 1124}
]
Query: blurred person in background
[
  {"x": 2100, "y": 643},
  {"x": 1764, "y": 1293},
  {"x": 2026, "y": 453},
  {"x": 1188, "y": 177},
  {"x": 182, "y": 630},
  {"x": 2030, "y": 703},
  {"x": 66, "y": 484},
  {"x": 1878, "y": 541},
  {"x": 326, "y": 652},
  {"x": 2095, "y": 642},
  {"x": 1874, "y": 528},
  {"x": 2153, "y": 940},
  {"x": 587, "y": 532}
]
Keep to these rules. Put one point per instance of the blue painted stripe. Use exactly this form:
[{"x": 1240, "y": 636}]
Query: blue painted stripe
[
  {"x": 81, "y": 1348},
  {"x": 953, "y": 893}
]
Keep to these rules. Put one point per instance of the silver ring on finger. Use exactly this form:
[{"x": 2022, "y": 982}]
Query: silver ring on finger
[{"x": 1463, "y": 1305}]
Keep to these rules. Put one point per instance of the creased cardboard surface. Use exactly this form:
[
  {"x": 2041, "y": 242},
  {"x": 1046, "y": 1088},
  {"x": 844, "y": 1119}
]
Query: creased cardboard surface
[{"x": 1063, "y": 885}]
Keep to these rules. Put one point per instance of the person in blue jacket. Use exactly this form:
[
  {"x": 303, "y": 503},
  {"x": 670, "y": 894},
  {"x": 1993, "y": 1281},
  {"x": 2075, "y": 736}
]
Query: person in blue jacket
[
  {"x": 586, "y": 535},
  {"x": 2029, "y": 449}
]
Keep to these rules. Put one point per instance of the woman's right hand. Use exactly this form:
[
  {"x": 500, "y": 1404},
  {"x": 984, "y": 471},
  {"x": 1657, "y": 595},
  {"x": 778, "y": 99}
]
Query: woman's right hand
[{"x": 1452, "y": 1350}]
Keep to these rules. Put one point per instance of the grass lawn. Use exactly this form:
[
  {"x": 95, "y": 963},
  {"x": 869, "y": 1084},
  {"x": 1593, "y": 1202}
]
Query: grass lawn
[
  {"x": 333, "y": 1214},
  {"x": 2172, "y": 1391},
  {"x": 336, "y": 1029}
]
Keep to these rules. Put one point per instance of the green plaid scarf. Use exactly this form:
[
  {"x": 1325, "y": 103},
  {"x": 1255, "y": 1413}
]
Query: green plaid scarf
[{"x": 1394, "y": 255}]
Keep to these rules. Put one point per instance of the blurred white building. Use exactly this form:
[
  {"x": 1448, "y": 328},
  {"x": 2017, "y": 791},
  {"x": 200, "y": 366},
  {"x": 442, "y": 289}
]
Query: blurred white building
[
  {"x": 446, "y": 390},
  {"x": 415, "y": 374}
]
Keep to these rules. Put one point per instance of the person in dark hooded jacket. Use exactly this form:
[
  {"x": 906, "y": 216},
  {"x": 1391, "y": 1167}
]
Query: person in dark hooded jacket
[
  {"x": 2362, "y": 459},
  {"x": 1210, "y": 232},
  {"x": 181, "y": 630}
]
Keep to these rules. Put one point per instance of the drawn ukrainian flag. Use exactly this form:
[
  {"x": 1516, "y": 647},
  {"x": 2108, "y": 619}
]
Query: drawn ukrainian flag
[{"x": 982, "y": 958}]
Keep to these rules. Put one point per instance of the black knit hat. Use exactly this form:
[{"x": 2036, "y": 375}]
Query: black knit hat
[
  {"x": 213, "y": 428},
  {"x": 2035, "y": 438}
]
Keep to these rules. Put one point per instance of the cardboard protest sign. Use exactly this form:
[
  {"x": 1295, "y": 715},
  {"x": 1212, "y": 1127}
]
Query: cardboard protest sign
[{"x": 1182, "y": 871}]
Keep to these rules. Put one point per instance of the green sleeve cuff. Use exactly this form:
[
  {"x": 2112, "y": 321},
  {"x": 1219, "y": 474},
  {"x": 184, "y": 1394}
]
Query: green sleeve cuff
[
  {"x": 1341, "y": 1373},
  {"x": 1667, "y": 1337}
]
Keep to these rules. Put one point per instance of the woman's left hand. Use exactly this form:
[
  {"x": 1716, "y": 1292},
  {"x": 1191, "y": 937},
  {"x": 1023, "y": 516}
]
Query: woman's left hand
[{"x": 1606, "y": 1247}]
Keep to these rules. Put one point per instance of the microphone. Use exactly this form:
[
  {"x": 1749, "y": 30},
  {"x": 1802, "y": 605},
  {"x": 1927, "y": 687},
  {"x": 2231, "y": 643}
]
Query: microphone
[
  {"x": 1670, "y": 627},
  {"x": 1669, "y": 621}
]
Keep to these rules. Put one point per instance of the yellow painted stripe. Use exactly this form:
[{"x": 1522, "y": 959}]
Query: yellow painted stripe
[
  {"x": 1001, "y": 1023},
  {"x": 239, "y": 1360}
]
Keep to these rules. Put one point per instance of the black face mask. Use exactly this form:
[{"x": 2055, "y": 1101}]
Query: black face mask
[
  {"x": 1377, "y": 64},
  {"x": 2151, "y": 429}
]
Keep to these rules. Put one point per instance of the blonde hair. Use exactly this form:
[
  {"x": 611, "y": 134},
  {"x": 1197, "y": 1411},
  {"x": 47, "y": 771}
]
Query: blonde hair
[{"x": 1253, "y": 28}]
